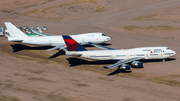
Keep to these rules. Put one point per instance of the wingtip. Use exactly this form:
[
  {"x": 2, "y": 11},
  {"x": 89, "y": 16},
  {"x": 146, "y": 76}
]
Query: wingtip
[
  {"x": 90, "y": 43},
  {"x": 6, "y": 22},
  {"x": 106, "y": 67}
]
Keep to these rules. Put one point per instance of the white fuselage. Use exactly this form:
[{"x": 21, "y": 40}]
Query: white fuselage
[
  {"x": 83, "y": 39},
  {"x": 146, "y": 52}
]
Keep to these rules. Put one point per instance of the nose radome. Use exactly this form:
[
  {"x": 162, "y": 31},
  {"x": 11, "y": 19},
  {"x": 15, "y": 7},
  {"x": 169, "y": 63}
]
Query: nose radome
[
  {"x": 108, "y": 38},
  {"x": 174, "y": 52}
]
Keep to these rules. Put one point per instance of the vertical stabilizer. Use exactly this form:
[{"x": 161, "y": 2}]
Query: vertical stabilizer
[
  {"x": 14, "y": 31},
  {"x": 72, "y": 45}
]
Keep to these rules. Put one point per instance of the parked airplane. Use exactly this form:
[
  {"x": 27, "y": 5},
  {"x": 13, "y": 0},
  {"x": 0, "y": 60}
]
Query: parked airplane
[
  {"x": 123, "y": 56},
  {"x": 17, "y": 35}
]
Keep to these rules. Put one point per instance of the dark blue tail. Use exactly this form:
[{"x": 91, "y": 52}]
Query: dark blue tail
[{"x": 72, "y": 45}]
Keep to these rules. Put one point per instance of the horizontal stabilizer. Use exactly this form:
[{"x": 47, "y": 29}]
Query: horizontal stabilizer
[{"x": 73, "y": 54}]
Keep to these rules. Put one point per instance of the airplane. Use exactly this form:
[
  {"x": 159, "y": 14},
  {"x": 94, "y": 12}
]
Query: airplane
[
  {"x": 57, "y": 42},
  {"x": 124, "y": 57}
]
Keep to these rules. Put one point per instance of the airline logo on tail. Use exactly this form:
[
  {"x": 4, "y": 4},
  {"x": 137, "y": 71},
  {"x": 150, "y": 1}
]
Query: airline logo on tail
[{"x": 72, "y": 45}]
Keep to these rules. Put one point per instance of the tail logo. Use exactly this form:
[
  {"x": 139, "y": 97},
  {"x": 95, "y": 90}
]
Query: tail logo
[{"x": 72, "y": 45}]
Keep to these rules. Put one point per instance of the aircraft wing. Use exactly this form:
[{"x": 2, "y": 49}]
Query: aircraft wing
[
  {"x": 44, "y": 34},
  {"x": 121, "y": 62},
  {"x": 102, "y": 47},
  {"x": 63, "y": 47}
]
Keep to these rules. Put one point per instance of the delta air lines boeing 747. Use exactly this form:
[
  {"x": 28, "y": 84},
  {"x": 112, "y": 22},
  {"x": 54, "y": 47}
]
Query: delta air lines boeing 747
[{"x": 124, "y": 57}]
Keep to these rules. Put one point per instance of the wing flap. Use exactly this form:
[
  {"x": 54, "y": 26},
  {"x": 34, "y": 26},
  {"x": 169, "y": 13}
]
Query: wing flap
[{"x": 123, "y": 62}]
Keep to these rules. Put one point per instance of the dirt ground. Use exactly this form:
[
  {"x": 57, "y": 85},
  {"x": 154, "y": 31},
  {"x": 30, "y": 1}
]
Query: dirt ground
[{"x": 30, "y": 73}]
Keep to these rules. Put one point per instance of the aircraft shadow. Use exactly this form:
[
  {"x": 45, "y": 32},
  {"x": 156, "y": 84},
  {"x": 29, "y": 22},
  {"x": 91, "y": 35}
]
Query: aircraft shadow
[
  {"x": 61, "y": 52},
  {"x": 158, "y": 60},
  {"x": 20, "y": 47},
  {"x": 77, "y": 61},
  {"x": 117, "y": 71},
  {"x": 103, "y": 44}
]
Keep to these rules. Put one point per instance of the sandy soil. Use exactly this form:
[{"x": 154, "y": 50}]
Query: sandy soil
[{"x": 30, "y": 73}]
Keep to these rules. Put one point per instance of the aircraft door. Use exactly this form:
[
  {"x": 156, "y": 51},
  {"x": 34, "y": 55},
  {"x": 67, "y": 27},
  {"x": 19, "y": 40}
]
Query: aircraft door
[
  {"x": 128, "y": 55},
  {"x": 113, "y": 56},
  {"x": 147, "y": 55},
  {"x": 162, "y": 53}
]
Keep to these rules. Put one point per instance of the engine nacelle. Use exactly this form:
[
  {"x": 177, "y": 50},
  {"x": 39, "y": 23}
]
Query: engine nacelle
[
  {"x": 137, "y": 64},
  {"x": 125, "y": 67}
]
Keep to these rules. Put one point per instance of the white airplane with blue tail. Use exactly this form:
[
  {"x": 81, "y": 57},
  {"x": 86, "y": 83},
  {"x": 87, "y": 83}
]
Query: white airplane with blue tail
[{"x": 124, "y": 57}]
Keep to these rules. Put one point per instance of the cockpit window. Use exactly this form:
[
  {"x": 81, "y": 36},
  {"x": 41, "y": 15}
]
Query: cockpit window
[
  {"x": 167, "y": 48},
  {"x": 103, "y": 35}
]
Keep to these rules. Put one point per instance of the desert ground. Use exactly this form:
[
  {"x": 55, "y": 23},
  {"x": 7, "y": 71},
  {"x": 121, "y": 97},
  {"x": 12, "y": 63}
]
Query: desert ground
[{"x": 30, "y": 73}]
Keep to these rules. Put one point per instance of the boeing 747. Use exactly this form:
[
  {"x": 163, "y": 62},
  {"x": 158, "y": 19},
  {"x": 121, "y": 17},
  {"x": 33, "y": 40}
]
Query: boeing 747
[
  {"x": 124, "y": 57},
  {"x": 57, "y": 42}
]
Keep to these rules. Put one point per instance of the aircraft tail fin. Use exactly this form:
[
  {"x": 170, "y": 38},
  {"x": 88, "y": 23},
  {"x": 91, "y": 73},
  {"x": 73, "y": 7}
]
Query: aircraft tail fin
[
  {"x": 14, "y": 31},
  {"x": 72, "y": 45}
]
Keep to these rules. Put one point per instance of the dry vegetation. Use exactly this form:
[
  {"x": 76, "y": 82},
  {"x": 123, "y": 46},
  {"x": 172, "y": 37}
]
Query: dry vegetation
[
  {"x": 36, "y": 94},
  {"x": 157, "y": 24},
  {"x": 8, "y": 98},
  {"x": 81, "y": 85},
  {"x": 148, "y": 17},
  {"x": 39, "y": 79},
  {"x": 60, "y": 12},
  {"x": 36, "y": 71},
  {"x": 159, "y": 27},
  {"x": 167, "y": 80},
  {"x": 66, "y": 10}
]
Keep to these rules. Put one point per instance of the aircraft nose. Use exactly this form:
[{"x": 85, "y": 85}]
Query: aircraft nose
[
  {"x": 108, "y": 38},
  {"x": 174, "y": 52}
]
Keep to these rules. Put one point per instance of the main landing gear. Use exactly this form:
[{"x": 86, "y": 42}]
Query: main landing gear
[{"x": 164, "y": 60}]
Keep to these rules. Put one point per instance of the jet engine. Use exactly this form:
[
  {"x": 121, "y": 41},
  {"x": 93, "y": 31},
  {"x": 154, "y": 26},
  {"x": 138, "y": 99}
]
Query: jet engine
[
  {"x": 125, "y": 67},
  {"x": 137, "y": 64}
]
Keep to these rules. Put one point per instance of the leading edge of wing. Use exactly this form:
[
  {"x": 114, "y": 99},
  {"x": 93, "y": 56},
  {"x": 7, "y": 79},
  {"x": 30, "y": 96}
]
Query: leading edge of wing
[
  {"x": 45, "y": 34},
  {"x": 102, "y": 47},
  {"x": 123, "y": 62}
]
